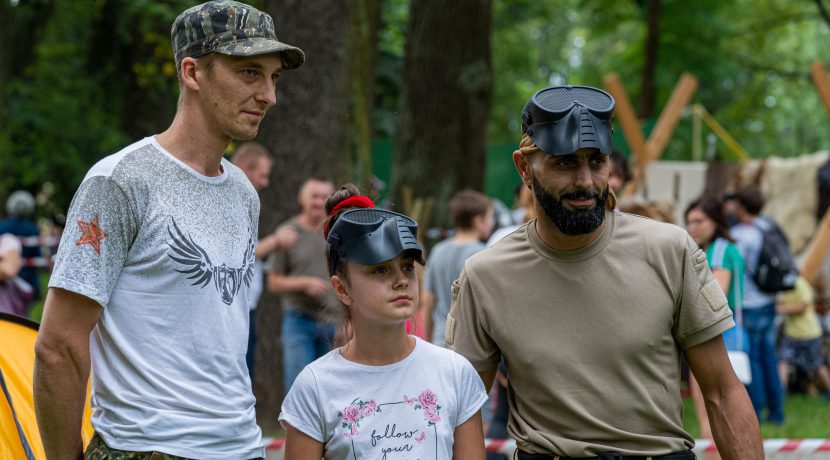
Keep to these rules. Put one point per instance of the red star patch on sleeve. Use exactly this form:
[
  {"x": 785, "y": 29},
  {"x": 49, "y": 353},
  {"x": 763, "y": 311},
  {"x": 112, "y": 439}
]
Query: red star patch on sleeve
[{"x": 92, "y": 234}]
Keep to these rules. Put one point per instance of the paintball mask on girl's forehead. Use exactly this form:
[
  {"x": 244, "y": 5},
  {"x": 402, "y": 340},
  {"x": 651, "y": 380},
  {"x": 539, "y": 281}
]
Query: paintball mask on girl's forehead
[
  {"x": 564, "y": 119},
  {"x": 369, "y": 236}
]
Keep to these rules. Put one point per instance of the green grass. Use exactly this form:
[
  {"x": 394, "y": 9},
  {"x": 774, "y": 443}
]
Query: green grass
[{"x": 805, "y": 417}]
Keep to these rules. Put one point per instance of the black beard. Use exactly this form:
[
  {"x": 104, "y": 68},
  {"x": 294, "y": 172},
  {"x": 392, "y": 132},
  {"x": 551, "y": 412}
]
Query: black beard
[{"x": 569, "y": 222}]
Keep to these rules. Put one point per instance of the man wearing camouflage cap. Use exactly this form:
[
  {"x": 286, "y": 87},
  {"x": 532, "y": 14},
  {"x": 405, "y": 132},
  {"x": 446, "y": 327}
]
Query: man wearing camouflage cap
[
  {"x": 590, "y": 308},
  {"x": 152, "y": 277}
]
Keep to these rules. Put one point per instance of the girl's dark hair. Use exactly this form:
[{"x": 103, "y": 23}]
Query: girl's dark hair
[
  {"x": 346, "y": 191},
  {"x": 713, "y": 208}
]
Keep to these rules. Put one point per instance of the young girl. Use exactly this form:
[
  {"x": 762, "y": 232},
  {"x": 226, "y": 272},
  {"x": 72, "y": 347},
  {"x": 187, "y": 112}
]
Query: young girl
[{"x": 384, "y": 394}]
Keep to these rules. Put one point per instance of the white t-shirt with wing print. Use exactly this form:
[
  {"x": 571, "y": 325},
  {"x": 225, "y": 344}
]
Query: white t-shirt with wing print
[
  {"x": 406, "y": 410},
  {"x": 168, "y": 254}
]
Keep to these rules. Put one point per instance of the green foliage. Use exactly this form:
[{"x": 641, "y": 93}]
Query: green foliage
[{"x": 101, "y": 75}]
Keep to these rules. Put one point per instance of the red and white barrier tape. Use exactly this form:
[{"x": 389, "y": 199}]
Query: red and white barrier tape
[
  {"x": 273, "y": 443},
  {"x": 776, "y": 446},
  {"x": 771, "y": 446},
  {"x": 40, "y": 262},
  {"x": 48, "y": 240}
]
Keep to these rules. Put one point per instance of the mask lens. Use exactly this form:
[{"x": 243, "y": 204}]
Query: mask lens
[
  {"x": 560, "y": 100},
  {"x": 366, "y": 216}
]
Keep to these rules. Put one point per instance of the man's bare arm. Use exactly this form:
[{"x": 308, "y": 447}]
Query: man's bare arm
[
  {"x": 488, "y": 377},
  {"x": 62, "y": 370},
  {"x": 280, "y": 283},
  {"x": 733, "y": 421}
]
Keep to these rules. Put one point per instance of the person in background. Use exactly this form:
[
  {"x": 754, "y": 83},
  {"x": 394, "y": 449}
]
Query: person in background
[
  {"x": 471, "y": 214},
  {"x": 15, "y": 293},
  {"x": 299, "y": 275},
  {"x": 149, "y": 293},
  {"x": 803, "y": 337},
  {"x": 20, "y": 208},
  {"x": 620, "y": 172},
  {"x": 525, "y": 201},
  {"x": 765, "y": 391},
  {"x": 255, "y": 161},
  {"x": 384, "y": 394},
  {"x": 706, "y": 223}
]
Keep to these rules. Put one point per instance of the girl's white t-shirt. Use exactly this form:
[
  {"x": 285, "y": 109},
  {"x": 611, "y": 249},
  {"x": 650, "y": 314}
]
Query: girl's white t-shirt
[{"x": 404, "y": 410}]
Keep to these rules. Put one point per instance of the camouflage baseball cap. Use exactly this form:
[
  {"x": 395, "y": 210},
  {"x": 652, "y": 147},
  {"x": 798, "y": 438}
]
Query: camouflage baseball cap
[{"x": 231, "y": 28}]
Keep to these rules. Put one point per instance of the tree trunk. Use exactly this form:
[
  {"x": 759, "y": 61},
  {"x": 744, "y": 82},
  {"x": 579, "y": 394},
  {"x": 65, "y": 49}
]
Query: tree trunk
[
  {"x": 440, "y": 145},
  {"x": 648, "y": 90},
  {"x": 321, "y": 126}
]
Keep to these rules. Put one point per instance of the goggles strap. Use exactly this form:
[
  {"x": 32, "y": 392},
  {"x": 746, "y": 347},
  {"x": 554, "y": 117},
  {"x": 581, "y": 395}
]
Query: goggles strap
[{"x": 358, "y": 201}]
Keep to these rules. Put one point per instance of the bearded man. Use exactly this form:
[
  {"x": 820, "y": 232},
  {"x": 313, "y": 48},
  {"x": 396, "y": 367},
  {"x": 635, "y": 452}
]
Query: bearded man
[{"x": 591, "y": 308}]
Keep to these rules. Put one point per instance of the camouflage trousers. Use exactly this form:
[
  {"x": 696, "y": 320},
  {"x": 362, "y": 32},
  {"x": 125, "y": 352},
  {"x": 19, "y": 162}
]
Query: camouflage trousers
[{"x": 98, "y": 450}]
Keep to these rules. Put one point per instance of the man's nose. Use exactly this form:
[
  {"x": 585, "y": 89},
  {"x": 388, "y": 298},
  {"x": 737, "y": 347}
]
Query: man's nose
[
  {"x": 268, "y": 92},
  {"x": 584, "y": 176}
]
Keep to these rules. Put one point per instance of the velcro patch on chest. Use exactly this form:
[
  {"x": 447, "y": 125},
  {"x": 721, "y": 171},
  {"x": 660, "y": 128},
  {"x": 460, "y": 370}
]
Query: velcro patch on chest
[{"x": 714, "y": 295}]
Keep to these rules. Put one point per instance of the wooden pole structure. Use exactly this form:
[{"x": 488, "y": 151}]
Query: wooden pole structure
[
  {"x": 737, "y": 150},
  {"x": 817, "y": 250},
  {"x": 652, "y": 149},
  {"x": 631, "y": 129},
  {"x": 663, "y": 129},
  {"x": 820, "y": 244},
  {"x": 822, "y": 83}
]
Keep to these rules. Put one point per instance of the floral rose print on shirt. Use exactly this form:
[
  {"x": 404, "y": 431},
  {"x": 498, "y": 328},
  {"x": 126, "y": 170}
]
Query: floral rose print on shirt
[
  {"x": 428, "y": 402},
  {"x": 352, "y": 414}
]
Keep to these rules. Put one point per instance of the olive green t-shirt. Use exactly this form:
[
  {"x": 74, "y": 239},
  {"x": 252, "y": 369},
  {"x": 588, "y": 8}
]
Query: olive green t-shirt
[
  {"x": 307, "y": 257},
  {"x": 591, "y": 337}
]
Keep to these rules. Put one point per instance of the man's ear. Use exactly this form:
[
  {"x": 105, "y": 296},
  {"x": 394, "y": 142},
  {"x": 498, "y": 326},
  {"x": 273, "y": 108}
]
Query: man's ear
[
  {"x": 187, "y": 71},
  {"x": 341, "y": 290},
  {"x": 523, "y": 166}
]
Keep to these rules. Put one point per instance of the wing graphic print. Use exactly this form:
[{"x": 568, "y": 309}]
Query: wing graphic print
[
  {"x": 189, "y": 254},
  {"x": 248, "y": 262}
]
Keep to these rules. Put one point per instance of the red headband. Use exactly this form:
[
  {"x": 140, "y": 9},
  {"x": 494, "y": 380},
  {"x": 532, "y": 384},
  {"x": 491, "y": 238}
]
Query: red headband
[{"x": 358, "y": 201}]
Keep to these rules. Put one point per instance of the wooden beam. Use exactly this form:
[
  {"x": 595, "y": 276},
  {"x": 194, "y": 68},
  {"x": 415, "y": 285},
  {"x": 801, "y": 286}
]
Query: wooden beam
[
  {"x": 822, "y": 82},
  {"x": 632, "y": 130},
  {"x": 645, "y": 152},
  {"x": 817, "y": 250},
  {"x": 663, "y": 129}
]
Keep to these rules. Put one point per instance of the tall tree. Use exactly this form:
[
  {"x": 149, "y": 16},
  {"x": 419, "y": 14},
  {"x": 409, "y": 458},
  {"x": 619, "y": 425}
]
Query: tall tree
[
  {"x": 321, "y": 126},
  {"x": 648, "y": 88},
  {"x": 445, "y": 102}
]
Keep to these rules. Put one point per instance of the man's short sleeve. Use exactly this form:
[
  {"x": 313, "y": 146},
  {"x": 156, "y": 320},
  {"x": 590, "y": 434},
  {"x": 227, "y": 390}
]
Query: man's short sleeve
[
  {"x": 99, "y": 230},
  {"x": 466, "y": 327},
  {"x": 470, "y": 390},
  {"x": 702, "y": 311}
]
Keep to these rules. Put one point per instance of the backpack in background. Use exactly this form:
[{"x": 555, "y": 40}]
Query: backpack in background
[{"x": 776, "y": 270}]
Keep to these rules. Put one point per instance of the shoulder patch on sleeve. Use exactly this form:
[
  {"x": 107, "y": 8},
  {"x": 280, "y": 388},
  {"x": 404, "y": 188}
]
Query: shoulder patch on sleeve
[
  {"x": 449, "y": 334},
  {"x": 699, "y": 256},
  {"x": 714, "y": 295}
]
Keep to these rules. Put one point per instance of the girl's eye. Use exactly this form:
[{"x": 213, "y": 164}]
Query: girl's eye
[
  {"x": 408, "y": 267},
  {"x": 379, "y": 270}
]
